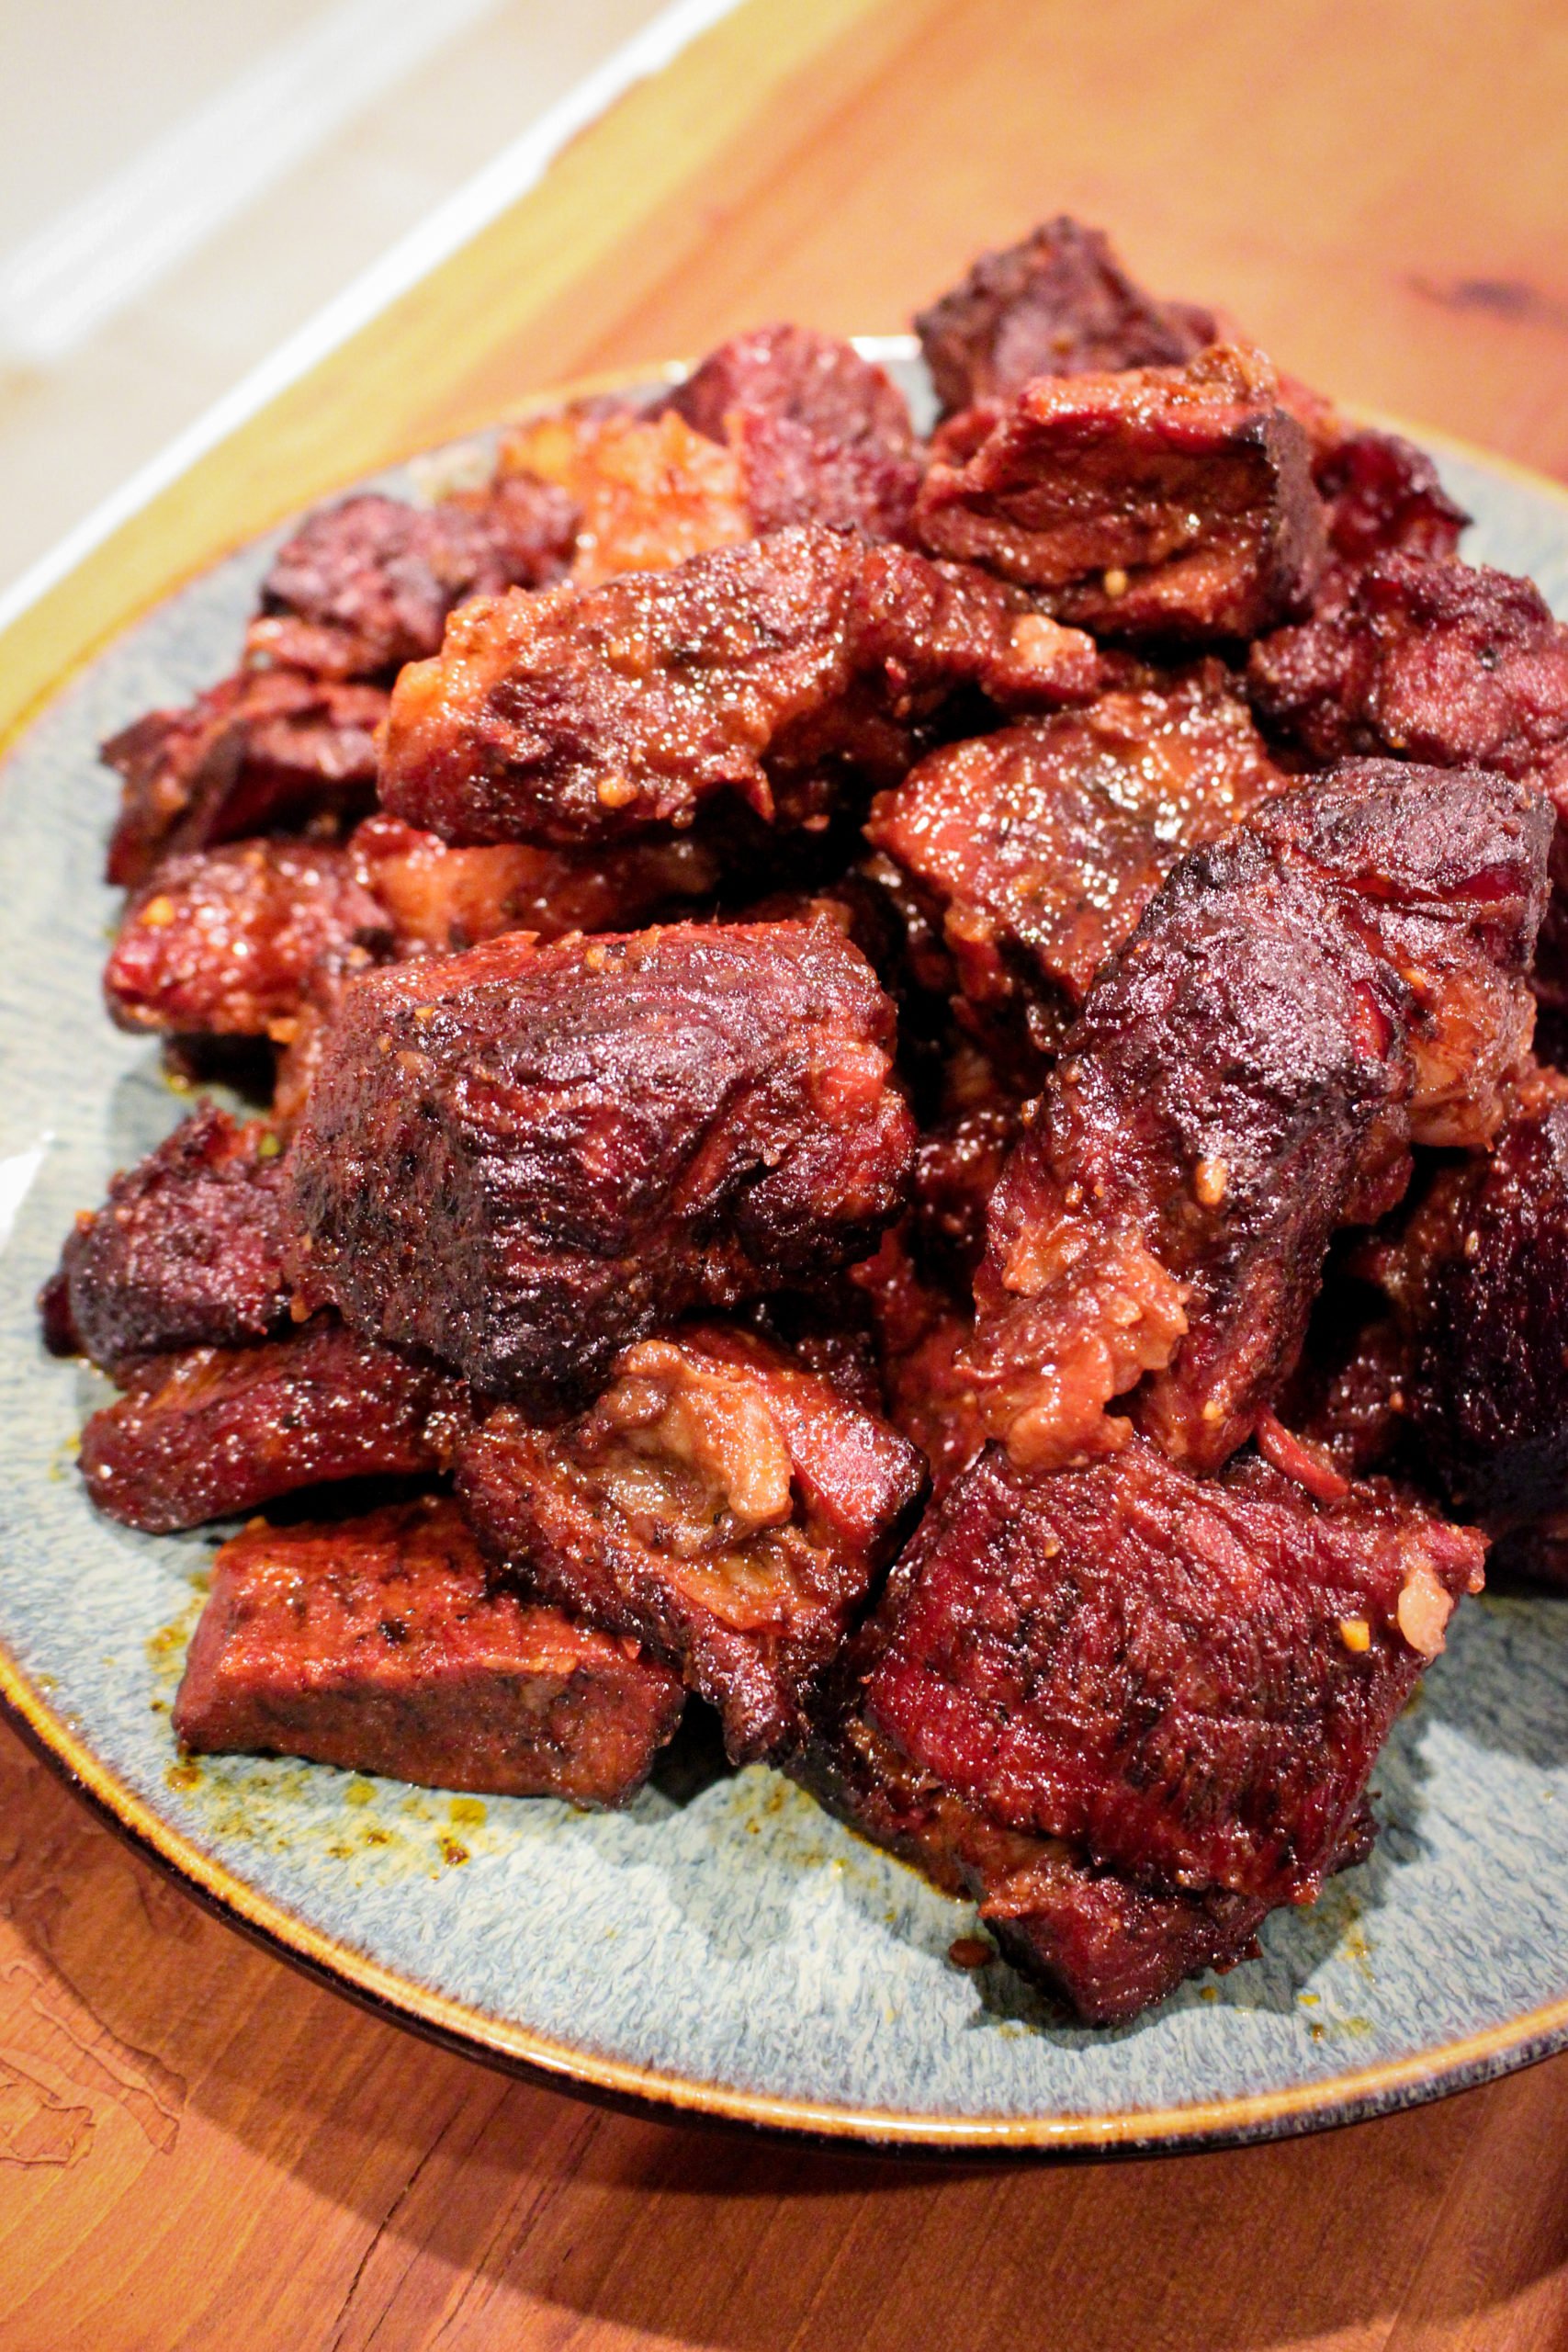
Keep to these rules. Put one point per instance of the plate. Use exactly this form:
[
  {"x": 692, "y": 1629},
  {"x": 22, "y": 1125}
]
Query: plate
[{"x": 722, "y": 1947}]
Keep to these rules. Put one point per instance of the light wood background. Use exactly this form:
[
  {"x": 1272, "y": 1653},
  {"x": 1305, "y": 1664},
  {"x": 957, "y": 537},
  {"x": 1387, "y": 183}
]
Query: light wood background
[{"x": 198, "y": 2148}]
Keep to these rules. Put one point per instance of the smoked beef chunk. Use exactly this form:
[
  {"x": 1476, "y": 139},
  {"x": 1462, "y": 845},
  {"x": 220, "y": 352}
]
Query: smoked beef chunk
[
  {"x": 222, "y": 1429},
  {"x": 375, "y": 1644},
  {"x": 185, "y": 1252},
  {"x": 770, "y": 670},
  {"x": 1243, "y": 1079},
  {"x": 1446, "y": 870},
  {"x": 267, "y": 750},
  {"x": 222, "y": 941},
  {"x": 1448, "y": 662},
  {"x": 1058, "y": 304},
  {"x": 366, "y": 585},
  {"x": 520, "y": 1158},
  {"x": 240, "y": 941},
  {"x": 1478, "y": 1279},
  {"x": 1383, "y": 497},
  {"x": 1191, "y": 1677},
  {"x": 1101, "y": 1943},
  {"x": 1163, "y": 503},
  {"x": 1038, "y": 848},
  {"x": 720, "y": 1503},
  {"x": 821, "y": 435}
]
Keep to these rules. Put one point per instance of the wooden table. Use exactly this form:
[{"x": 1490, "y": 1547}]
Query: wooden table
[{"x": 200, "y": 2148}]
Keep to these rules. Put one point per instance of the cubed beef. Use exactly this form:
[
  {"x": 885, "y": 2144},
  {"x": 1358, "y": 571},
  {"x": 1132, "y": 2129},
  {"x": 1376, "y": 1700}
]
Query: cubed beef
[
  {"x": 648, "y": 492},
  {"x": 366, "y": 585},
  {"x": 1057, "y": 304},
  {"x": 1478, "y": 1280},
  {"x": 821, "y": 435},
  {"x": 267, "y": 750},
  {"x": 1447, "y": 662},
  {"x": 522, "y": 1158},
  {"x": 1191, "y": 1677},
  {"x": 222, "y": 941},
  {"x": 219, "y": 1430},
  {"x": 771, "y": 671},
  {"x": 1038, "y": 848},
  {"x": 721, "y": 1503},
  {"x": 1243, "y": 1079},
  {"x": 185, "y": 1252},
  {"x": 1161, "y": 502},
  {"x": 377, "y": 1645}
]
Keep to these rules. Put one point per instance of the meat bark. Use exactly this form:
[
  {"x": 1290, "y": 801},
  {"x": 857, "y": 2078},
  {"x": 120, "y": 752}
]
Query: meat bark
[
  {"x": 1059, "y": 303},
  {"x": 775, "y": 673},
  {"x": 522, "y": 1159},
  {"x": 820, "y": 433},
  {"x": 1038, "y": 848},
  {"x": 377, "y": 1645},
  {"x": 720, "y": 1503},
  {"x": 1163, "y": 503},
  {"x": 1446, "y": 663},
  {"x": 267, "y": 750},
  {"x": 185, "y": 1252},
  {"x": 366, "y": 585},
  {"x": 1192, "y": 1679},
  {"x": 1478, "y": 1281},
  {"x": 219, "y": 1430},
  {"x": 1244, "y": 1079},
  {"x": 222, "y": 942},
  {"x": 240, "y": 941}
]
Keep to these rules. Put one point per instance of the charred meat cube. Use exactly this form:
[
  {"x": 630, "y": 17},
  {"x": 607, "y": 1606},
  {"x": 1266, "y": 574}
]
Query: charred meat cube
[
  {"x": 219, "y": 1431},
  {"x": 1232, "y": 1092},
  {"x": 376, "y": 1644},
  {"x": 1447, "y": 869},
  {"x": 267, "y": 750},
  {"x": 222, "y": 941},
  {"x": 1478, "y": 1281},
  {"x": 1383, "y": 497},
  {"x": 1039, "y": 847},
  {"x": 1242, "y": 1081},
  {"x": 366, "y": 585},
  {"x": 1191, "y": 1677},
  {"x": 1163, "y": 503},
  {"x": 821, "y": 435},
  {"x": 647, "y": 491},
  {"x": 720, "y": 1503},
  {"x": 765, "y": 671},
  {"x": 1096, "y": 1939},
  {"x": 241, "y": 941},
  {"x": 522, "y": 1158},
  {"x": 1447, "y": 662},
  {"x": 1058, "y": 304},
  {"x": 185, "y": 1252}
]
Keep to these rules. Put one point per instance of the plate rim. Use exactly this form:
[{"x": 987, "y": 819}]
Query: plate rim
[{"x": 1338, "y": 2100}]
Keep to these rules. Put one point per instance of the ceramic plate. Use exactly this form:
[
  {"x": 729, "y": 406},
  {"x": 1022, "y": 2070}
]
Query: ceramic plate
[{"x": 723, "y": 1946}]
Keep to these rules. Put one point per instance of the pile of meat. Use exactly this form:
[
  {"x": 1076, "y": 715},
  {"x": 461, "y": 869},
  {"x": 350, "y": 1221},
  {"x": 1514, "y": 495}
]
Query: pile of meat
[{"x": 902, "y": 1092}]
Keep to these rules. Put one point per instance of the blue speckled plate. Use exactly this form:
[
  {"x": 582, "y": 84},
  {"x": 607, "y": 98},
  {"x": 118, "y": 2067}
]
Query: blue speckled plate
[{"x": 722, "y": 1947}]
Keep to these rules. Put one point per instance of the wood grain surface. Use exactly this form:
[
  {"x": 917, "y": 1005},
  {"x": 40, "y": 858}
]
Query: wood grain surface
[{"x": 200, "y": 2148}]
